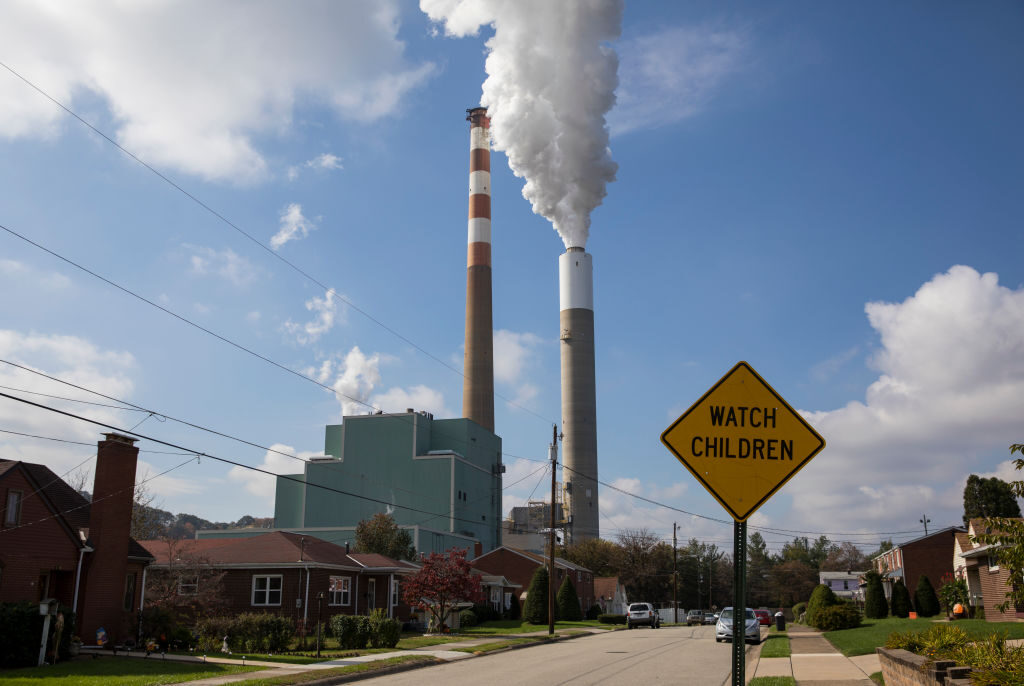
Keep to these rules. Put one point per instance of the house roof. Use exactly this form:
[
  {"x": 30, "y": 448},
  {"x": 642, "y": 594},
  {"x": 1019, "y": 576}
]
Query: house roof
[
  {"x": 275, "y": 548},
  {"x": 540, "y": 559},
  {"x": 70, "y": 506},
  {"x": 940, "y": 532},
  {"x": 605, "y": 586},
  {"x": 840, "y": 575}
]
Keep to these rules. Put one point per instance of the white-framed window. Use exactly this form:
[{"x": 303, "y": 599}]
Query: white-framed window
[
  {"x": 993, "y": 562},
  {"x": 188, "y": 584},
  {"x": 394, "y": 593},
  {"x": 496, "y": 597},
  {"x": 12, "y": 512},
  {"x": 508, "y": 601},
  {"x": 266, "y": 589},
  {"x": 340, "y": 590}
]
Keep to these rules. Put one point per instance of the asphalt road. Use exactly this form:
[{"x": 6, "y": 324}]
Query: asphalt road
[{"x": 624, "y": 658}]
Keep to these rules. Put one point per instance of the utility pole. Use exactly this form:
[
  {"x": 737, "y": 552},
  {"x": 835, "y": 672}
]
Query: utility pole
[
  {"x": 924, "y": 520},
  {"x": 675, "y": 579},
  {"x": 553, "y": 453}
]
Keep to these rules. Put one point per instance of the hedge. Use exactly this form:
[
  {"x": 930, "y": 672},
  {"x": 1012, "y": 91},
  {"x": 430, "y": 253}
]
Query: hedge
[
  {"x": 21, "y": 628},
  {"x": 611, "y": 619}
]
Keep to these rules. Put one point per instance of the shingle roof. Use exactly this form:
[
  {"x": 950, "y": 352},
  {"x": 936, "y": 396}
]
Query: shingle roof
[{"x": 276, "y": 547}]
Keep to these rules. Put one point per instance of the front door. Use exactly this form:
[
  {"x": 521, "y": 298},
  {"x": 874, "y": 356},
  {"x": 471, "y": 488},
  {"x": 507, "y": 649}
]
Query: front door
[{"x": 371, "y": 594}]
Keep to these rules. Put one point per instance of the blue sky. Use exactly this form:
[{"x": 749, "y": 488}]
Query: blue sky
[{"x": 830, "y": 192}]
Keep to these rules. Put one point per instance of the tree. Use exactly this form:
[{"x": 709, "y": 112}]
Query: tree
[
  {"x": 380, "y": 534},
  {"x": 1008, "y": 535},
  {"x": 189, "y": 587},
  {"x": 603, "y": 558},
  {"x": 990, "y": 497},
  {"x": 568, "y": 602},
  {"x": 792, "y": 582},
  {"x": 441, "y": 583},
  {"x": 925, "y": 600},
  {"x": 759, "y": 566},
  {"x": 900, "y": 600},
  {"x": 875, "y": 606},
  {"x": 845, "y": 557},
  {"x": 535, "y": 611},
  {"x": 821, "y": 597}
]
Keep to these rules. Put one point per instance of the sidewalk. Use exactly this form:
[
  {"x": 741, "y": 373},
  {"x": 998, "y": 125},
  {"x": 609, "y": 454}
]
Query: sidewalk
[{"x": 816, "y": 662}]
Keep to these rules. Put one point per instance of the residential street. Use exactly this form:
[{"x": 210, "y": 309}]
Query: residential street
[{"x": 666, "y": 655}]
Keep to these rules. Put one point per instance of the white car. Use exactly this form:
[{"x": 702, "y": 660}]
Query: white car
[
  {"x": 723, "y": 630},
  {"x": 642, "y": 614}
]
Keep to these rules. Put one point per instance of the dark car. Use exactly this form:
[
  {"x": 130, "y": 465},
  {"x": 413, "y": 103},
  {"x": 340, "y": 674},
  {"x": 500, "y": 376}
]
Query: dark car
[
  {"x": 642, "y": 614},
  {"x": 694, "y": 617},
  {"x": 764, "y": 618}
]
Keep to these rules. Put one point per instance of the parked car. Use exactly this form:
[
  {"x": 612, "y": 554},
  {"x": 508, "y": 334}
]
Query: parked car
[
  {"x": 694, "y": 617},
  {"x": 751, "y": 632},
  {"x": 764, "y": 618},
  {"x": 710, "y": 618},
  {"x": 642, "y": 614}
]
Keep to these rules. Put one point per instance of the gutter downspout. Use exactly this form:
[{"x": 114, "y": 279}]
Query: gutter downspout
[
  {"x": 355, "y": 605},
  {"x": 391, "y": 595},
  {"x": 142, "y": 593},
  {"x": 305, "y": 603},
  {"x": 78, "y": 578}
]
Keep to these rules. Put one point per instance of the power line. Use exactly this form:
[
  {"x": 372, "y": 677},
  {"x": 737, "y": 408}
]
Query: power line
[{"x": 331, "y": 292}]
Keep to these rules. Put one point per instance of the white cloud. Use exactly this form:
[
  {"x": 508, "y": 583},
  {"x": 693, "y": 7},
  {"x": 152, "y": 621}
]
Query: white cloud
[
  {"x": 325, "y": 161},
  {"x": 294, "y": 226},
  {"x": 19, "y": 273},
  {"x": 672, "y": 74},
  {"x": 326, "y": 311},
  {"x": 263, "y": 485},
  {"x": 226, "y": 263},
  {"x": 949, "y": 398},
  {"x": 357, "y": 375},
  {"x": 253, "y": 317},
  {"x": 234, "y": 73},
  {"x": 514, "y": 353},
  {"x": 419, "y": 398},
  {"x": 72, "y": 359}
]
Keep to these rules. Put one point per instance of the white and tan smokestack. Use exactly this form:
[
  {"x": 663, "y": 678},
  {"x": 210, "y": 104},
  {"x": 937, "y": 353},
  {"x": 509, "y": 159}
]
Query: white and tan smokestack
[
  {"x": 579, "y": 392},
  {"x": 478, "y": 384}
]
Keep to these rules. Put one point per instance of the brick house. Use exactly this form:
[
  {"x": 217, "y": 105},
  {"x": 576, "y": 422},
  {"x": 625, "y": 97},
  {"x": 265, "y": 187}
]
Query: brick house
[
  {"x": 284, "y": 573},
  {"x": 611, "y": 595},
  {"x": 56, "y": 544},
  {"x": 518, "y": 566},
  {"x": 930, "y": 555},
  {"x": 987, "y": 581}
]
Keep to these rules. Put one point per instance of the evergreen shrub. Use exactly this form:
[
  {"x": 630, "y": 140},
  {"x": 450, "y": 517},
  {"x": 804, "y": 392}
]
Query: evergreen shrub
[
  {"x": 567, "y": 602},
  {"x": 467, "y": 618},
  {"x": 798, "y": 610},
  {"x": 875, "y": 604},
  {"x": 821, "y": 597},
  {"x": 593, "y": 612},
  {"x": 352, "y": 631},
  {"x": 925, "y": 599},
  {"x": 900, "y": 602},
  {"x": 837, "y": 617},
  {"x": 513, "y": 611},
  {"x": 385, "y": 632},
  {"x": 536, "y": 609}
]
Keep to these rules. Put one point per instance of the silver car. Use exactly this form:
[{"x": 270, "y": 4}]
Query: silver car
[
  {"x": 723, "y": 630},
  {"x": 642, "y": 614}
]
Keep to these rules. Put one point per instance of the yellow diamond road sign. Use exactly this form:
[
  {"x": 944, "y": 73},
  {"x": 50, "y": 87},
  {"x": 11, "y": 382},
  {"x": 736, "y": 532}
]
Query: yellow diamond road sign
[{"x": 742, "y": 441}]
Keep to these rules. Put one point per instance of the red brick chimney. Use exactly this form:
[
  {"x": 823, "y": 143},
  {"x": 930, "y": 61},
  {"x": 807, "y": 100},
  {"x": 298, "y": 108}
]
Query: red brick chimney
[{"x": 110, "y": 517}]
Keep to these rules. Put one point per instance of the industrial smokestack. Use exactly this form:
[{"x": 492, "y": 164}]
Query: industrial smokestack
[
  {"x": 579, "y": 392},
  {"x": 478, "y": 384}
]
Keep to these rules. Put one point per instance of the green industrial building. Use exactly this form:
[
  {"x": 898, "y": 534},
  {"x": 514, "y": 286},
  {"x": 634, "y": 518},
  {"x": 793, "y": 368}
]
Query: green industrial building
[{"x": 439, "y": 478}]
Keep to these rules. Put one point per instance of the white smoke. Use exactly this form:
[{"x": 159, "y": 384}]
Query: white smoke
[{"x": 551, "y": 80}]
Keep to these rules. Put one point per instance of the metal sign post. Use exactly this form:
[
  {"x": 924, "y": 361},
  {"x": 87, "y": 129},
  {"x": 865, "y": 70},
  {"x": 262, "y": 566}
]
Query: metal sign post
[{"x": 739, "y": 603}]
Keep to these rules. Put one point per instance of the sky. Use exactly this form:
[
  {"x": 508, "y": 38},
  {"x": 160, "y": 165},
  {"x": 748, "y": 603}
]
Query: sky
[{"x": 830, "y": 192}]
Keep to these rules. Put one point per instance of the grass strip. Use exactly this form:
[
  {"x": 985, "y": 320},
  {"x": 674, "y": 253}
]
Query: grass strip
[
  {"x": 772, "y": 681},
  {"x": 498, "y": 645},
  {"x": 117, "y": 672},
  {"x": 873, "y": 632},
  {"x": 318, "y": 674},
  {"x": 877, "y": 678},
  {"x": 776, "y": 645}
]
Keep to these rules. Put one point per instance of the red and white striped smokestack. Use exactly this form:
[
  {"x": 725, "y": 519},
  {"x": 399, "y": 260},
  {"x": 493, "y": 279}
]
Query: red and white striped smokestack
[{"x": 478, "y": 385}]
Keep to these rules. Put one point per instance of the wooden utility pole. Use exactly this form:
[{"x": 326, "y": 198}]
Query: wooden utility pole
[{"x": 551, "y": 556}]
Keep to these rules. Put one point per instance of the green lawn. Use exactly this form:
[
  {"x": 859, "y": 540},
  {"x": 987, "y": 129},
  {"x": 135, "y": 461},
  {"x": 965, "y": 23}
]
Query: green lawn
[
  {"x": 776, "y": 645},
  {"x": 873, "y": 632},
  {"x": 303, "y": 677},
  {"x": 114, "y": 671},
  {"x": 772, "y": 681}
]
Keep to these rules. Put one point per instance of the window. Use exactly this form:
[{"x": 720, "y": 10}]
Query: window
[
  {"x": 129, "y": 592},
  {"x": 340, "y": 590},
  {"x": 266, "y": 589},
  {"x": 496, "y": 598},
  {"x": 846, "y": 585},
  {"x": 12, "y": 513},
  {"x": 188, "y": 585},
  {"x": 508, "y": 601},
  {"x": 993, "y": 562},
  {"x": 394, "y": 593}
]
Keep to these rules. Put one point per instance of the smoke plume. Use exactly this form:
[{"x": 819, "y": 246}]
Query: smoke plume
[{"x": 551, "y": 79}]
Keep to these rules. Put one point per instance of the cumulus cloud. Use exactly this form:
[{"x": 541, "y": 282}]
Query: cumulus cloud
[
  {"x": 77, "y": 361},
  {"x": 263, "y": 486},
  {"x": 418, "y": 397},
  {"x": 947, "y": 402},
  {"x": 325, "y": 161},
  {"x": 294, "y": 226},
  {"x": 226, "y": 263},
  {"x": 672, "y": 74},
  {"x": 326, "y": 311},
  {"x": 229, "y": 73},
  {"x": 17, "y": 273},
  {"x": 514, "y": 353}
]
